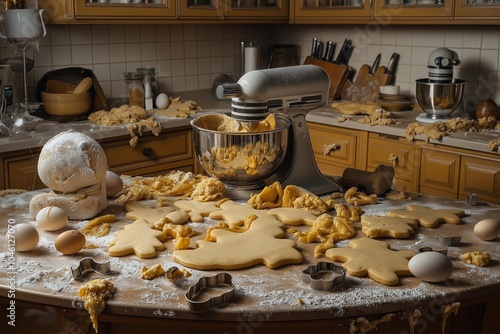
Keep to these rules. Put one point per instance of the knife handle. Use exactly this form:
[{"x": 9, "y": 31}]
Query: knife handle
[
  {"x": 315, "y": 48},
  {"x": 329, "y": 51}
]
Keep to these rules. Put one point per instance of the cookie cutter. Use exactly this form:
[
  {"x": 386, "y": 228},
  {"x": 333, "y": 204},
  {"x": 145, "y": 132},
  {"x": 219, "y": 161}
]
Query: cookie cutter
[
  {"x": 449, "y": 240},
  {"x": 210, "y": 282},
  {"x": 323, "y": 283},
  {"x": 442, "y": 250},
  {"x": 88, "y": 264},
  {"x": 472, "y": 199}
]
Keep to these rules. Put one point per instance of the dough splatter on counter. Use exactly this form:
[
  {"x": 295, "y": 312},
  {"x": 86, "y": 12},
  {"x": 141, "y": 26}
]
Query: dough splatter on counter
[
  {"x": 177, "y": 108},
  {"x": 94, "y": 294}
]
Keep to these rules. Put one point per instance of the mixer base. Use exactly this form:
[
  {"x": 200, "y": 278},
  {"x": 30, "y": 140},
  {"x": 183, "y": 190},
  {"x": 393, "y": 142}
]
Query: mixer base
[{"x": 424, "y": 118}]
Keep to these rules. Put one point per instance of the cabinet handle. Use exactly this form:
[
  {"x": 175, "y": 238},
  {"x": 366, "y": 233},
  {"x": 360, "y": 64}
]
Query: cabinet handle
[
  {"x": 394, "y": 159},
  {"x": 148, "y": 152},
  {"x": 329, "y": 148}
]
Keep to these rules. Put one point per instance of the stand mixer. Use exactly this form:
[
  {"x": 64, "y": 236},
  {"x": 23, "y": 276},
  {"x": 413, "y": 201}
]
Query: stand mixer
[
  {"x": 440, "y": 94},
  {"x": 21, "y": 28},
  {"x": 289, "y": 93}
]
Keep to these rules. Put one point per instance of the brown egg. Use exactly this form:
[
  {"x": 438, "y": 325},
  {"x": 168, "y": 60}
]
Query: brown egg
[
  {"x": 487, "y": 108},
  {"x": 70, "y": 242}
]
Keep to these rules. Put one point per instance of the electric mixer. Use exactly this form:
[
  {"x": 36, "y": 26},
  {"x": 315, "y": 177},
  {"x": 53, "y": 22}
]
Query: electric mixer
[{"x": 288, "y": 92}]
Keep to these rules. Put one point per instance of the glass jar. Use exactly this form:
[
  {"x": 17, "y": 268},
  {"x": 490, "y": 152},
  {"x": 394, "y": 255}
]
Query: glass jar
[
  {"x": 150, "y": 85},
  {"x": 135, "y": 89}
]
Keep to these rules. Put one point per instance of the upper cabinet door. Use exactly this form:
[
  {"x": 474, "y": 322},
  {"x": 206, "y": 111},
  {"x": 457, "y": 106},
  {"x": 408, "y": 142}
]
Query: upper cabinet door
[
  {"x": 257, "y": 8},
  {"x": 122, "y": 9},
  {"x": 322, "y": 9},
  {"x": 414, "y": 8},
  {"x": 202, "y": 8},
  {"x": 478, "y": 8}
]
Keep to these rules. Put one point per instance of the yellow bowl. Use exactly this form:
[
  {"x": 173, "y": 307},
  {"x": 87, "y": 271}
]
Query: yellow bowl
[{"x": 56, "y": 104}]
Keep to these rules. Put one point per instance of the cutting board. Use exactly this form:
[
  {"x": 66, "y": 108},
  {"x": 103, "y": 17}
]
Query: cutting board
[
  {"x": 338, "y": 74},
  {"x": 365, "y": 83}
]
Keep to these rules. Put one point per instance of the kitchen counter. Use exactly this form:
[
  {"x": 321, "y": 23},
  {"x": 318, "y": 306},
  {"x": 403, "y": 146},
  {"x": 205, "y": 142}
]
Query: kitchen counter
[
  {"x": 476, "y": 141},
  {"x": 267, "y": 300}
]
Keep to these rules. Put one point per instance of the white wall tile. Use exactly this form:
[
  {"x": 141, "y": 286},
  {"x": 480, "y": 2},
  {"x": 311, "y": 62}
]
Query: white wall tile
[
  {"x": 59, "y": 35},
  {"x": 116, "y": 34},
  {"x": 100, "y": 34},
  {"x": 80, "y": 34},
  {"x": 100, "y": 53},
  {"x": 61, "y": 56},
  {"x": 81, "y": 54}
]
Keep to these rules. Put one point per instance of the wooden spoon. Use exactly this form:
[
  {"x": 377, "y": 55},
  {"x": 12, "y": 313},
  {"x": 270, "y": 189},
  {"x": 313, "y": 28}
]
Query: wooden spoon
[{"x": 83, "y": 86}]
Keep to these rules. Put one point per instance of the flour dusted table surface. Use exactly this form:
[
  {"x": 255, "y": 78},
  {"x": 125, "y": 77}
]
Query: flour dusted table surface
[{"x": 267, "y": 301}]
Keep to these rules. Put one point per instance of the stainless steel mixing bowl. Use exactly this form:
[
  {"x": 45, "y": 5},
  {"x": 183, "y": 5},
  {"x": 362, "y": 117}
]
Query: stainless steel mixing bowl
[
  {"x": 439, "y": 100},
  {"x": 240, "y": 159}
]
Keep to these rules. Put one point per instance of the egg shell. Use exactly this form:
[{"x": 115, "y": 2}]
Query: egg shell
[
  {"x": 162, "y": 101},
  {"x": 26, "y": 237},
  {"x": 431, "y": 266},
  {"x": 114, "y": 184},
  {"x": 51, "y": 218},
  {"x": 487, "y": 229},
  {"x": 70, "y": 242}
]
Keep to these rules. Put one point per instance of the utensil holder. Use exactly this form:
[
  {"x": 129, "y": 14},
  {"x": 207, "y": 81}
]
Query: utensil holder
[{"x": 338, "y": 74}]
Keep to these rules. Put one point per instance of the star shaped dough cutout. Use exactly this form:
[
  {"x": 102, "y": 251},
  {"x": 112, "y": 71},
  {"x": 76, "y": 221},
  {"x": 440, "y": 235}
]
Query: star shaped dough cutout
[
  {"x": 138, "y": 211},
  {"x": 373, "y": 258},
  {"x": 197, "y": 210},
  {"x": 293, "y": 216},
  {"x": 261, "y": 243},
  {"x": 234, "y": 214},
  {"x": 389, "y": 227},
  {"x": 428, "y": 217},
  {"x": 137, "y": 238}
]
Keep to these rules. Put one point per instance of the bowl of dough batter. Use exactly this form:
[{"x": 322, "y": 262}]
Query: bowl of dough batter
[{"x": 240, "y": 154}]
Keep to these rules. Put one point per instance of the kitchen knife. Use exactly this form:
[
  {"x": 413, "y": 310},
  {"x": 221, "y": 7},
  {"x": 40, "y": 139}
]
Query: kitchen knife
[
  {"x": 375, "y": 65},
  {"x": 329, "y": 50},
  {"x": 393, "y": 63},
  {"x": 315, "y": 48}
]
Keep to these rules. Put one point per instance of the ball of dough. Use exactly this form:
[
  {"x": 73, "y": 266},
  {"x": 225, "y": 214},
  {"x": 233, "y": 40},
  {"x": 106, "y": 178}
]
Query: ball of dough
[
  {"x": 26, "y": 237},
  {"x": 71, "y": 161},
  {"x": 70, "y": 242},
  {"x": 114, "y": 184},
  {"x": 51, "y": 218}
]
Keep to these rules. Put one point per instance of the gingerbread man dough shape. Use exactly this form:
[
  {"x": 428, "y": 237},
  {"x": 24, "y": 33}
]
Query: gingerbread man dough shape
[
  {"x": 293, "y": 217},
  {"x": 373, "y": 258},
  {"x": 197, "y": 210},
  {"x": 234, "y": 214},
  {"x": 428, "y": 217},
  {"x": 389, "y": 227},
  {"x": 139, "y": 238},
  {"x": 237, "y": 250},
  {"x": 138, "y": 211}
]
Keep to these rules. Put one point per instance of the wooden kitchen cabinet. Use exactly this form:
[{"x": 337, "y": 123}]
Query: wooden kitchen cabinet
[
  {"x": 439, "y": 172},
  {"x": 153, "y": 155},
  {"x": 396, "y": 152},
  {"x": 337, "y": 148},
  {"x": 397, "y": 9},
  {"x": 477, "y": 8},
  {"x": 331, "y": 9},
  {"x": 480, "y": 176},
  {"x": 256, "y": 9}
]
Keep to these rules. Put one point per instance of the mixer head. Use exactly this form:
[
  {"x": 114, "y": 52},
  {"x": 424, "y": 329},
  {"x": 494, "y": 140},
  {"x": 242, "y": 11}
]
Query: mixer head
[
  {"x": 284, "y": 89},
  {"x": 440, "y": 65}
]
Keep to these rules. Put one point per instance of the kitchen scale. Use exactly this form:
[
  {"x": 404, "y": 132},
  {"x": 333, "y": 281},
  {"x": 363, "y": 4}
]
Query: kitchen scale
[{"x": 291, "y": 91}]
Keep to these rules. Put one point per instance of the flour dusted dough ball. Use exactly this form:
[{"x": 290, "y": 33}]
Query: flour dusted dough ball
[{"x": 71, "y": 161}]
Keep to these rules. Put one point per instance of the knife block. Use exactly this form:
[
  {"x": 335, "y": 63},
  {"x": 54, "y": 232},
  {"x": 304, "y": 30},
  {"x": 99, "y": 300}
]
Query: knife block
[{"x": 338, "y": 74}]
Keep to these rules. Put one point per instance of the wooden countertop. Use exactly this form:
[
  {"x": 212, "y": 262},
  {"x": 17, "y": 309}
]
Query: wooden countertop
[{"x": 44, "y": 276}]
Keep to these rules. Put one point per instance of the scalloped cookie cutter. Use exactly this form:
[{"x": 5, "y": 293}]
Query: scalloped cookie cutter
[
  {"x": 88, "y": 264},
  {"x": 207, "y": 282},
  {"x": 441, "y": 250},
  {"x": 328, "y": 282}
]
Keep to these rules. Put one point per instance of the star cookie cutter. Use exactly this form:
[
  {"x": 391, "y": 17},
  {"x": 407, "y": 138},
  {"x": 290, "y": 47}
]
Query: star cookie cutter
[
  {"x": 207, "y": 282},
  {"x": 442, "y": 250},
  {"x": 449, "y": 240},
  {"x": 312, "y": 275},
  {"x": 88, "y": 264}
]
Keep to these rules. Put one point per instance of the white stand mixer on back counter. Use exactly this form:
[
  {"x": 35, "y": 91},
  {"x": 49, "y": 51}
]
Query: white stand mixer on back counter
[{"x": 287, "y": 94}]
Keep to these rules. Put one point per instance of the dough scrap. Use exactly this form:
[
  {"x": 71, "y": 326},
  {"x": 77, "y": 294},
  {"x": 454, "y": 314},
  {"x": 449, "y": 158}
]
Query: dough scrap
[
  {"x": 99, "y": 226},
  {"x": 373, "y": 258},
  {"x": 261, "y": 242},
  {"x": 270, "y": 197},
  {"x": 428, "y": 217},
  {"x": 477, "y": 258},
  {"x": 389, "y": 227},
  {"x": 178, "y": 108},
  {"x": 300, "y": 198},
  {"x": 292, "y": 216},
  {"x": 197, "y": 210},
  {"x": 153, "y": 272},
  {"x": 94, "y": 294},
  {"x": 137, "y": 238},
  {"x": 352, "y": 196}
]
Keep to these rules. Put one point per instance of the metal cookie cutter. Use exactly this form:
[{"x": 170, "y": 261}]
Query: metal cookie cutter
[
  {"x": 89, "y": 264},
  {"x": 323, "y": 283},
  {"x": 441, "y": 250},
  {"x": 472, "y": 199},
  {"x": 210, "y": 282},
  {"x": 449, "y": 240}
]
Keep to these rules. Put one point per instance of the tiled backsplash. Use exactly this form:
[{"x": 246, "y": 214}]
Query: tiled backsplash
[{"x": 189, "y": 57}]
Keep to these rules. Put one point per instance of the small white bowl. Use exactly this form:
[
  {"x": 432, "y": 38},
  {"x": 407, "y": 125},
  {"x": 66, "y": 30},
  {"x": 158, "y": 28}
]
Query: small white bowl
[{"x": 389, "y": 90}]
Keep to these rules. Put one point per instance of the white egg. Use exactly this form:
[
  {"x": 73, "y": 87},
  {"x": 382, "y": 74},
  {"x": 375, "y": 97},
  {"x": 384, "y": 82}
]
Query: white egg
[
  {"x": 162, "y": 101},
  {"x": 114, "y": 184},
  {"x": 431, "y": 266},
  {"x": 51, "y": 218},
  {"x": 487, "y": 229},
  {"x": 26, "y": 237}
]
